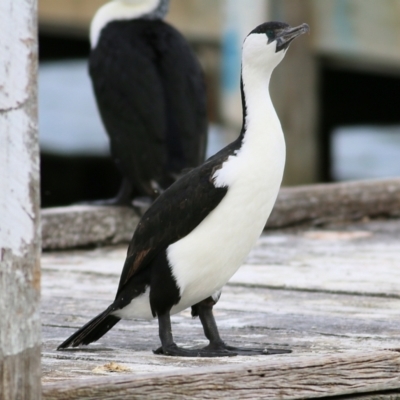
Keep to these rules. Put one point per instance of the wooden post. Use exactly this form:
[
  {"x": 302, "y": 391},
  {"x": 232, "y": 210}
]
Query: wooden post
[
  {"x": 19, "y": 204},
  {"x": 294, "y": 92}
]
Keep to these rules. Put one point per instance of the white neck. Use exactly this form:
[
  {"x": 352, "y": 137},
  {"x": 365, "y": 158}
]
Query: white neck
[
  {"x": 118, "y": 10},
  {"x": 259, "y": 58},
  {"x": 261, "y": 118},
  {"x": 262, "y": 151}
]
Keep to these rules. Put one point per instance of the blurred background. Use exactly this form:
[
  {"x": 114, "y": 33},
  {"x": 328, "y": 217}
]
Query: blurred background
[{"x": 336, "y": 93}]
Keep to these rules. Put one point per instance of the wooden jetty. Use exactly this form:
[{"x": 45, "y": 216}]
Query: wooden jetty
[{"x": 330, "y": 293}]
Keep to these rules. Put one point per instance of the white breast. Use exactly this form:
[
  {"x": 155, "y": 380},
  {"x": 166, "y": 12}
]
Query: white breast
[{"x": 203, "y": 261}]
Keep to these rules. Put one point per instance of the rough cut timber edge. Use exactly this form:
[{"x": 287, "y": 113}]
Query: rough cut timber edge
[
  {"x": 306, "y": 377},
  {"x": 324, "y": 203},
  {"x": 77, "y": 226}
]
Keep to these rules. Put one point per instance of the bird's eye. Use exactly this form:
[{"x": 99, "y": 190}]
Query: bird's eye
[{"x": 270, "y": 33}]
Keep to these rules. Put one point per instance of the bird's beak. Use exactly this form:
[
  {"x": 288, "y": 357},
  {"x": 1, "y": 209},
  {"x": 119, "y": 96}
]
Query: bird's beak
[{"x": 287, "y": 35}]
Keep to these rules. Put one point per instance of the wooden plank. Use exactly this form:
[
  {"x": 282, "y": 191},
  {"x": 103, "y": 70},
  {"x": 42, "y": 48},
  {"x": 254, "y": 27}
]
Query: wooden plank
[
  {"x": 19, "y": 204},
  {"x": 74, "y": 226},
  {"x": 347, "y": 201},
  {"x": 340, "y": 260},
  {"x": 333, "y": 260},
  {"x": 311, "y": 377},
  {"x": 308, "y": 323},
  {"x": 79, "y": 284}
]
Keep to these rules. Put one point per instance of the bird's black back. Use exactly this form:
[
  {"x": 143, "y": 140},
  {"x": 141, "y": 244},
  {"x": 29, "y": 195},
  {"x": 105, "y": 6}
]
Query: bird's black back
[{"x": 150, "y": 91}]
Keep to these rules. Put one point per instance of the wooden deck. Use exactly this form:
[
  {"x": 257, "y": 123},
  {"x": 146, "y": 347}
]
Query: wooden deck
[{"x": 332, "y": 295}]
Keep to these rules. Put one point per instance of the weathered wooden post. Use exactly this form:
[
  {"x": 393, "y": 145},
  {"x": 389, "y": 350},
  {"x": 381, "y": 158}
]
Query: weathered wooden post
[
  {"x": 294, "y": 91},
  {"x": 19, "y": 204}
]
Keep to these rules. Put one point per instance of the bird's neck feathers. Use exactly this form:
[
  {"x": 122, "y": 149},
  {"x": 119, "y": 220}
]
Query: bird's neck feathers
[
  {"x": 260, "y": 117},
  {"x": 118, "y": 10}
]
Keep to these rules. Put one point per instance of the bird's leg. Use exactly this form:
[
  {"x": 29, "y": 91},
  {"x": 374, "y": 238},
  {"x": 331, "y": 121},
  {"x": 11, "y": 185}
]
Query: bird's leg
[
  {"x": 204, "y": 310},
  {"x": 165, "y": 333},
  {"x": 124, "y": 193},
  {"x": 216, "y": 348},
  {"x": 123, "y": 197},
  {"x": 169, "y": 347}
]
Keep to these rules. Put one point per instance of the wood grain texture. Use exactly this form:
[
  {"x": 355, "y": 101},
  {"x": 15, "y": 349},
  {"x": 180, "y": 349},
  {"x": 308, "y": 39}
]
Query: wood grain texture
[
  {"x": 75, "y": 226},
  {"x": 338, "y": 259},
  {"x": 347, "y": 201},
  {"x": 352, "y": 325},
  {"x": 19, "y": 204},
  {"x": 304, "y": 378}
]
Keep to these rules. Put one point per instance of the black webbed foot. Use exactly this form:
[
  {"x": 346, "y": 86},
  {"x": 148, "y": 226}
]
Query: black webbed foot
[
  {"x": 174, "y": 350},
  {"x": 221, "y": 350}
]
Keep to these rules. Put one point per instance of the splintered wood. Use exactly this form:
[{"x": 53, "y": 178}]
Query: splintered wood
[{"x": 331, "y": 295}]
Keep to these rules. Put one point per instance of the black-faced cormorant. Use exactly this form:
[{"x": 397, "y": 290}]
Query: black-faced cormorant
[
  {"x": 150, "y": 92},
  {"x": 196, "y": 235}
]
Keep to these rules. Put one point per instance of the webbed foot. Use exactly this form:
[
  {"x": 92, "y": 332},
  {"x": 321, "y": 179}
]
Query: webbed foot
[{"x": 174, "y": 350}]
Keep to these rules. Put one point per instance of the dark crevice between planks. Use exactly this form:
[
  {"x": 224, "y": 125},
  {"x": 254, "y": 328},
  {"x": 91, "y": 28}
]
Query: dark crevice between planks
[
  {"x": 383, "y": 395},
  {"x": 305, "y": 290}
]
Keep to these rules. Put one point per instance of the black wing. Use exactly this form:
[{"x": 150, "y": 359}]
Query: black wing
[
  {"x": 175, "y": 214},
  {"x": 151, "y": 98}
]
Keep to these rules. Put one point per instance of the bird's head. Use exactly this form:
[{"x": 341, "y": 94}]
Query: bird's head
[{"x": 266, "y": 45}]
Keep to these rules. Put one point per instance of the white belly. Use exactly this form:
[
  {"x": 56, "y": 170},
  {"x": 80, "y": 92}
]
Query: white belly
[{"x": 203, "y": 261}]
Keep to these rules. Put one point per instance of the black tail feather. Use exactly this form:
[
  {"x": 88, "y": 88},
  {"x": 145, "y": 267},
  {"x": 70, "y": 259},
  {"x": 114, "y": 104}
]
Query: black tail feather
[{"x": 92, "y": 331}]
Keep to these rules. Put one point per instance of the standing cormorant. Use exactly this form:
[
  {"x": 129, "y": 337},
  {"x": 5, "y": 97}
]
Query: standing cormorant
[
  {"x": 196, "y": 235},
  {"x": 150, "y": 92}
]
